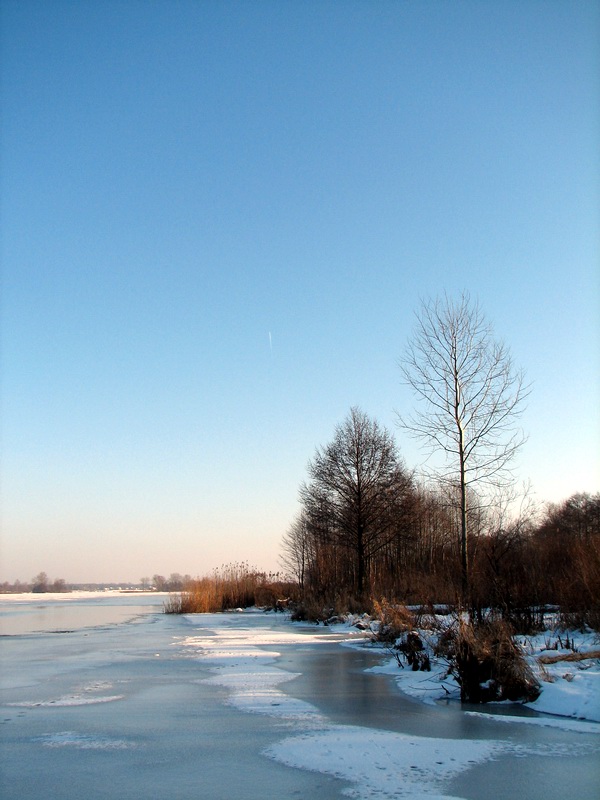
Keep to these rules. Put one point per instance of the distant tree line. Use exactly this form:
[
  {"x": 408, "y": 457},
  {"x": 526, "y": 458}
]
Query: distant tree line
[
  {"x": 39, "y": 585},
  {"x": 174, "y": 583}
]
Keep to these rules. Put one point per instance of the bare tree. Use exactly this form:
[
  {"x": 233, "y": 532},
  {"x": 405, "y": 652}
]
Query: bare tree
[
  {"x": 471, "y": 396},
  {"x": 356, "y": 484},
  {"x": 40, "y": 583},
  {"x": 295, "y": 547}
]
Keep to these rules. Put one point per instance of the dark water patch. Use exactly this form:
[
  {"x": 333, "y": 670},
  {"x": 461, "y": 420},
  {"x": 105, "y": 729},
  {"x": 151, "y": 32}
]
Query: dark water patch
[{"x": 333, "y": 678}]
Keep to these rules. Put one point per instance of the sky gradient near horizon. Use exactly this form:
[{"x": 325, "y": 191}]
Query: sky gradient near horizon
[{"x": 218, "y": 219}]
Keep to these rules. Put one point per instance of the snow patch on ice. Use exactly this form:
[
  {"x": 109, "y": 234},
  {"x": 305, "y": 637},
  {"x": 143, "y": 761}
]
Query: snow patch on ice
[
  {"x": 247, "y": 672},
  {"x": 82, "y": 741},
  {"x": 256, "y": 691},
  {"x": 384, "y": 764},
  {"x": 390, "y": 765},
  {"x": 85, "y": 697},
  {"x": 68, "y": 700},
  {"x": 576, "y": 725}
]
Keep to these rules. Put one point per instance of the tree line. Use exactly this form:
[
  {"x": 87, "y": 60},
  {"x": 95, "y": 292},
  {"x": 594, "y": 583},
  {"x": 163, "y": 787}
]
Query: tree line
[
  {"x": 40, "y": 584},
  {"x": 460, "y": 532}
]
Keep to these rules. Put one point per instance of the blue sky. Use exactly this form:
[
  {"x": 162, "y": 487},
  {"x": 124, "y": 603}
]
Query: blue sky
[{"x": 218, "y": 219}]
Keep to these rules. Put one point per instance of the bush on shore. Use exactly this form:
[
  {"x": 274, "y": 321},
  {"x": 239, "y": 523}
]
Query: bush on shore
[
  {"x": 486, "y": 662},
  {"x": 481, "y": 653}
]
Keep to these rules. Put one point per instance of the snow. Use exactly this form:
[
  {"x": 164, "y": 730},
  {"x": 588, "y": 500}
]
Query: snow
[
  {"x": 67, "y": 700},
  {"x": 77, "y": 594},
  {"x": 241, "y": 656},
  {"x": 384, "y": 764},
  {"x": 82, "y": 742},
  {"x": 570, "y": 689},
  {"x": 242, "y": 665},
  {"x": 376, "y": 763}
]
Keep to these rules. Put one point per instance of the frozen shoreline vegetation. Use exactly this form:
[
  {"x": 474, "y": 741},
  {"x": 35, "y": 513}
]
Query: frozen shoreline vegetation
[
  {"x": 566, "y": 664},
  {"x": 377, "y": 763}
]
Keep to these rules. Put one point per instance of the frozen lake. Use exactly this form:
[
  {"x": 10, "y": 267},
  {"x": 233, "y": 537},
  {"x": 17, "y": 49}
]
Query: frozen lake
[
  {"x": 65, "y": 613},
  {"x": 127, "y": 702}
]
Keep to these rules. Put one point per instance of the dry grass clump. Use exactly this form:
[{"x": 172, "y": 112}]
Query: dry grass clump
[
  {"x": 394, "y": 621},
  {"x": 486, "y": 662},
  {"x": 231, "y": 586}
]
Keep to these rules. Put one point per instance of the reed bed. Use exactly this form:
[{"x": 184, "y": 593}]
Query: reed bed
[{"x": 229, "y": 587}]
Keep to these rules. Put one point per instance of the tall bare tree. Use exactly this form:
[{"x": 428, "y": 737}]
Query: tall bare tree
[
  {"x": 470, "y": 395},
  {"x": 356, "y": 484}
]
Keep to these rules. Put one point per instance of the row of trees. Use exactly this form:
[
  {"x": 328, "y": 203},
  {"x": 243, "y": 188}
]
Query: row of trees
[
  {"x": 459, "y": 533},
  {"x": 369, "y": 528},
  {"x": 40, "y": 584},
  {"x": 174, "y": 583}
]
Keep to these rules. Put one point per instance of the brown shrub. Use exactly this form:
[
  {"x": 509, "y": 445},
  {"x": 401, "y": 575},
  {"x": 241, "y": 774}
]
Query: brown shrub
[
  {"x": 486, "y": 662},
  {"x": 394, "y": 620}
]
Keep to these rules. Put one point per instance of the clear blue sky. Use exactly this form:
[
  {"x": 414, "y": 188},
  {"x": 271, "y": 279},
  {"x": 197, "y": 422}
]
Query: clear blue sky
[{"x": 218, "y": 219}]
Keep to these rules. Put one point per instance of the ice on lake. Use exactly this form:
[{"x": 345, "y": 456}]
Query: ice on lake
[{"x": 249, "y": 705}]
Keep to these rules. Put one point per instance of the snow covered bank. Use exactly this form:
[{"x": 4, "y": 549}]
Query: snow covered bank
[
  {"x": 569, "y": 679},
  {"x": 570, "y": 688}
]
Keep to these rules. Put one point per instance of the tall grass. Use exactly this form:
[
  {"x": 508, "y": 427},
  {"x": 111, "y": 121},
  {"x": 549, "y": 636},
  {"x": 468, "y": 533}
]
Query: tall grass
[
  {"x": 486, "y": 661},
  {"x": 231, "y": 586}
]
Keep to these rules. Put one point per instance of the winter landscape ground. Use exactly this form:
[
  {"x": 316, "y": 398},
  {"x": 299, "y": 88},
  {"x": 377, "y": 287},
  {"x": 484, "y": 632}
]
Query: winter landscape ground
[{"x": 249, "y": 704}]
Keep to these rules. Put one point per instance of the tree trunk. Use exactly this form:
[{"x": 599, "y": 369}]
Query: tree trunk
[
  {"x": 464, "y": 555},
  {"x": 360, "y": 554}
]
